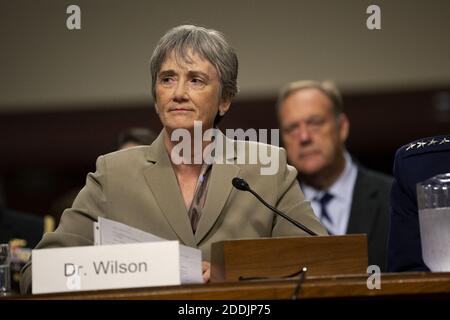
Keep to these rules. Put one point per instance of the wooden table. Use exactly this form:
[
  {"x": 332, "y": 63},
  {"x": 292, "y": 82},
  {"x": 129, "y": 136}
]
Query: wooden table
[{"x": 393, "y": 285}]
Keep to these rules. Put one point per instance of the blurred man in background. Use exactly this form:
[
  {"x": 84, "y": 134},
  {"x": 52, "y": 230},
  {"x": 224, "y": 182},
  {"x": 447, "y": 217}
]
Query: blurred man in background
[
  {"x": 347, "y": 197},
  {"x": 19, "y": 225},
  {"x": 134, "y": 137}
]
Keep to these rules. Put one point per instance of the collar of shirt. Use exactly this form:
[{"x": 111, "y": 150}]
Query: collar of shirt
[{"x": 342, "y": 190}]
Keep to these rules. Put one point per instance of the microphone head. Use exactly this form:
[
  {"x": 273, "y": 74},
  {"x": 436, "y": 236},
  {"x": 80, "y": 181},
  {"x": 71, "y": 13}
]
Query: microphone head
[{"x": 240, "y": 184}]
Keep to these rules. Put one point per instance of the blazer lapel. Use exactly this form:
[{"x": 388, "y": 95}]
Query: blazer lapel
[
  {"x": 163, "y": 183},
  {"x": 364, "y": 205},
  {"x": 219, "y": 189}
]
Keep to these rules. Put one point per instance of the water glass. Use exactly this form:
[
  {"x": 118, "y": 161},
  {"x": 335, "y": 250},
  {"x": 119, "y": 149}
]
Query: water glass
[{"x": 5, "y": 274}]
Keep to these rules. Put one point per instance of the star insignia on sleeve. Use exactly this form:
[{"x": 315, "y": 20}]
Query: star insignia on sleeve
[
  {"x": 411, "y": 145},
  {"x": 444, "y": 140},
  {"x": 420, "y": 144},
  {"x": 432, "y": 142}
]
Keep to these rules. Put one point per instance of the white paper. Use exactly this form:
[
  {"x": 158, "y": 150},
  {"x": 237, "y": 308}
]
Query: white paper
[
  {"x": 96, "y": 234},
  {"x": 189, "y": 265},
  {"x": 113, "y": 232}
]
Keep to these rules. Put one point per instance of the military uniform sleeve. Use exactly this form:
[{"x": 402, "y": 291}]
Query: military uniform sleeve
[
  {"x": 404, "y": 248},
  {"x": 76, "y": 225}
]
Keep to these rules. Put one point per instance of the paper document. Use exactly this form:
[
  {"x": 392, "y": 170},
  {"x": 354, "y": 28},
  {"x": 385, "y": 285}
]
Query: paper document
[
  {"x": 189, "y": 270},
  {"x": 108, "y": 232},
  {"x": 113, "y": 232}
]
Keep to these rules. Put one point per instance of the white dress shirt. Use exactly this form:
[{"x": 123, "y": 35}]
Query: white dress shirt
[{"x": 340, "y": 205}]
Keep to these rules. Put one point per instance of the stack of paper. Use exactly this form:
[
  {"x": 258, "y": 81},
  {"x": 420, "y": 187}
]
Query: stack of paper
[{"x": 108, "y": 232}]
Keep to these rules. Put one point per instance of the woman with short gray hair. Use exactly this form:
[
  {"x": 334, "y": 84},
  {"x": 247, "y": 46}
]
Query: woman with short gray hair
[
  {"x": 194, "y": 78},
  {"x": 208, "y": 44}
]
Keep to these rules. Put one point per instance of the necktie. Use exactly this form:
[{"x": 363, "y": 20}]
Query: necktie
[{"x": 326, "y": 198}]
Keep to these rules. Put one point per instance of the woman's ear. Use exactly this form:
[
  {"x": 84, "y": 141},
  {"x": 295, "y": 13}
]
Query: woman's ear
[
  {"x": 156, "y": 108},
  {"x": 224, "y": 106}
]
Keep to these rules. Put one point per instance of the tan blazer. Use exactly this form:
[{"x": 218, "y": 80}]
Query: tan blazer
[{"x": 138, "y": 187}]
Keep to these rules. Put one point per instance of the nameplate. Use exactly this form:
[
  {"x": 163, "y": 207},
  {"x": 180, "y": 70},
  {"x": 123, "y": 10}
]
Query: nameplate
[{"x": 114, "y": 266}]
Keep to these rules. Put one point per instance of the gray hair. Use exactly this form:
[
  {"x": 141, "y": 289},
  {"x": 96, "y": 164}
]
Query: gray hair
[
  {"x": 328, "y": 88},
  {"x": 208, "y": 44}
]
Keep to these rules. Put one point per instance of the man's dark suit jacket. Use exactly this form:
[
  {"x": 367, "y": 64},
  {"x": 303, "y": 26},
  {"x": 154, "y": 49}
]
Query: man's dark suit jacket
[
  {"x": 414, "y": 163},
  {"x": 370, "y": 213},
  {"x": 19, "y": 225}
]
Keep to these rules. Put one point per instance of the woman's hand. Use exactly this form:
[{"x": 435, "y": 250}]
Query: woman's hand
[{"x": 206, "y": 269}]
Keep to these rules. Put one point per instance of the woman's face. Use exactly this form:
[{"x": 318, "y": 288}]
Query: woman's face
[{"x": 188, "y": 92}]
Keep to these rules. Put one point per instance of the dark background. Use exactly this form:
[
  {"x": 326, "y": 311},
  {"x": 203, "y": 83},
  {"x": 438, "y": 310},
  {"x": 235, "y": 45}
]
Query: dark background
[
  {"x": 50, "y": 153},
  {"x": 65, "y": 95}
]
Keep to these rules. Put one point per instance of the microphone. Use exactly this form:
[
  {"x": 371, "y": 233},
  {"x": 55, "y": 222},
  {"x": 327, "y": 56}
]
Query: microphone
[{"x": 242, "y": 185}]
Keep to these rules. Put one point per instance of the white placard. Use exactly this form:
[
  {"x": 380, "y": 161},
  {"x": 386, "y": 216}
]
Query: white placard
[{"x": 114, "y": 266}]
